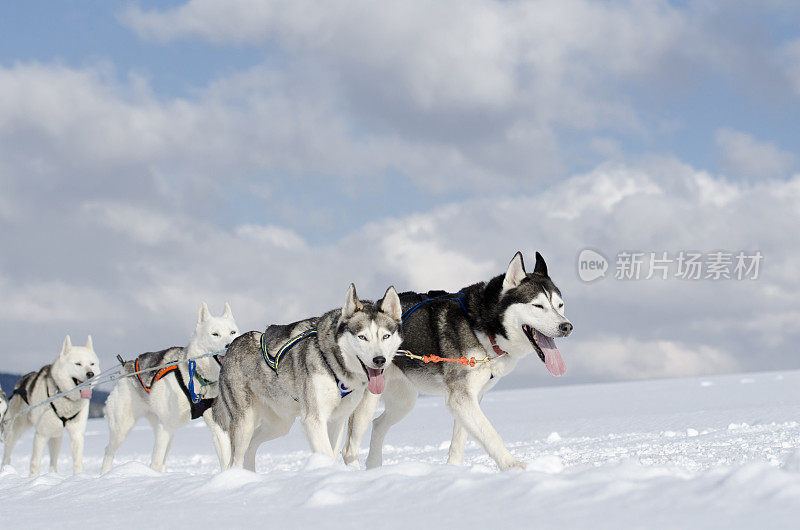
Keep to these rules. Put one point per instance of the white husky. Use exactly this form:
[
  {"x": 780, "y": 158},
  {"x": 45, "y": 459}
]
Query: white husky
[
  {"x": 73, "y": 366},
  {"x": 162, "y": 396}
]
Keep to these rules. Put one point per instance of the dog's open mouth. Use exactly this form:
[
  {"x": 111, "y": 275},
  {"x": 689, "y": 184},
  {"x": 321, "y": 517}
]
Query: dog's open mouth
[
  {"x": 546, "y": 349},
  {"x": 86, "y": 393},
  {"x": 376, "y": 383}
]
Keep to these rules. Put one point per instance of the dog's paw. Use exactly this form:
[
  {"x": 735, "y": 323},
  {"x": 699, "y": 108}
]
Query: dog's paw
[
  {"x": 512, "y": 464},
  {"x": 519, "y": 464}
]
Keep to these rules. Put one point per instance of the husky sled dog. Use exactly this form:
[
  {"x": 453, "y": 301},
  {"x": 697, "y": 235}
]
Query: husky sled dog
[
  {"x": 316, "y": 368},
  {"x": 163, "y": 396},
  {"x": 73, "y": 366},
  {"x": 3, "y": 403},
  {"x": 503, "y": 320}
]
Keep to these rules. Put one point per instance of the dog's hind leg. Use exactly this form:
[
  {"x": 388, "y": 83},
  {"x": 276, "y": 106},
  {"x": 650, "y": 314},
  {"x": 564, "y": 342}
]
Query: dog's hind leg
[
  {"x": 119, "y": 427},
  {"x": 222, "y": 444},
  {"x": 269, "y": 429},
  {"x": 77, "y": 430},
  {"x": 54, "y": 444},
  {"x": 161, "y": 446},
  {"x": 241, "y": 433},
  {"x": 466, "y": 410},
  {"x": 399, "y": 397},
  {"x": 357, "y": 426},
  {"x": 39, "y": 441},
  {"x": 14, "y": 432}
]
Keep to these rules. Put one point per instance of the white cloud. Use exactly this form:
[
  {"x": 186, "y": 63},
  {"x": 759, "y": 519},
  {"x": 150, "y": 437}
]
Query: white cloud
[
  {"x": 791, "y": 59},
  {"x": 144, "y": 226},
  {"x": 53, "y": 302},
  {"x": 272, "y": 235},
  {"x": 629, "y": 358},
  {"x": 744, "y": 155}
]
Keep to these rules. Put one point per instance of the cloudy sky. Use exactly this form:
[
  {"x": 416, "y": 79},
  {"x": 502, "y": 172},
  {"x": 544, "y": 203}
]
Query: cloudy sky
[{"x": 269, "y": 153}]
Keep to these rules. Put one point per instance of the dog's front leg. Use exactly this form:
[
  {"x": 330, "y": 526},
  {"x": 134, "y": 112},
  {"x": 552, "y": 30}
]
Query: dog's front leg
[
  {"x": 456, "y": 453},
  {"x": 357, "y": 426},
  {"x": 76, "y": 431},
  {"x": 39, "y": 441},
  {"x": 55, "y": 447},
  {"x": 315, "y": 427},
  {"x": 163, "y": 440},
  {"x": 467, "y": 411},
  {"x": 335, "y": 431}
]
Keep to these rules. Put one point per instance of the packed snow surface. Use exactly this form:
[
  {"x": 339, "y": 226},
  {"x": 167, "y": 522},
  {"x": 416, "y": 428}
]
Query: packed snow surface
[{"x": 717, "y": 452}]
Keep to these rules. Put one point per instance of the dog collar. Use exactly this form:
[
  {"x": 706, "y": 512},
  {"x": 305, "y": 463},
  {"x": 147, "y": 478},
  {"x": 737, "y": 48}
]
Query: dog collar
[{"x": 497, "y": 349}]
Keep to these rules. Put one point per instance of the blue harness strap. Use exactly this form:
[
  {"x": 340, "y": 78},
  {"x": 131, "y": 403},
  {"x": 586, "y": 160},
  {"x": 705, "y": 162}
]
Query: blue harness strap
[
  {"x": 447, "y": 296},
  {"x": 343, "y": 390}
]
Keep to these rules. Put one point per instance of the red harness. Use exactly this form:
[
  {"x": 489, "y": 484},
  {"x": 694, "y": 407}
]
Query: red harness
[{"x": 497, "y": 349}]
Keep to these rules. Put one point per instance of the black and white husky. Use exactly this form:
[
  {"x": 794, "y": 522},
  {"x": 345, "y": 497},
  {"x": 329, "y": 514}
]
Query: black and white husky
[
  {"x": 504, "y": 320},
  {"x": 162, "y": 396},
  {"x": 73, "y": 366},
  {"x": 317, "y": 369}
]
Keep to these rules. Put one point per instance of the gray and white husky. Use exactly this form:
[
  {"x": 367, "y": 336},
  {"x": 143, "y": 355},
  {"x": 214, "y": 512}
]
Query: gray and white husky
[
  {"x": 73, "y": 366},
  {"x": 3, "y": 403},
  {"x": 162, "y": 396},
  {"x": 317, "y": 369},
  {"x": 504, "y": 320}
]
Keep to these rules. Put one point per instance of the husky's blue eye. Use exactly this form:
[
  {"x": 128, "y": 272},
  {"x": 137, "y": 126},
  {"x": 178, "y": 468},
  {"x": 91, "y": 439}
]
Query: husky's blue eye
[
  {"x": 386, "y": 336},
  {"x": 362, "y": 337}
]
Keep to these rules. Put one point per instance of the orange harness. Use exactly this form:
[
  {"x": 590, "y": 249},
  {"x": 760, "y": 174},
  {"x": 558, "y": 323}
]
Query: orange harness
[{"x": 161, "y": 373}]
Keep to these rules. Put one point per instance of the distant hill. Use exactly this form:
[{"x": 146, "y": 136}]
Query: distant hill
[{"x": 7, "y": 381}]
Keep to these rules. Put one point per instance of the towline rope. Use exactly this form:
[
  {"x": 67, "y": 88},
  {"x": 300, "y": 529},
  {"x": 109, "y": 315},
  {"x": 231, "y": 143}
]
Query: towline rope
[{"x": 463, "y": 360}]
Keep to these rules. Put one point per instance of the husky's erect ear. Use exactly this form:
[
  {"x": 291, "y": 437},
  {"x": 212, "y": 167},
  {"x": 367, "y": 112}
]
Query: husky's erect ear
[
  {"x": 351, "y": 302},
  {"x": 515, "y": 273},
  {"x": 66, "y": 346},
  {"x": 227, "y": 313},
  {"x": 541, "y": 266},
  {"x": 204, "y": 314},
  {"x": 89, "y": 345},
  {"x": 391, "y": 304}
]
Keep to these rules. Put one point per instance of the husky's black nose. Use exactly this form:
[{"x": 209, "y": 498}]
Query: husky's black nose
[
  {"x": 565, "y": 328},
  {"x": 379, "y": 361},
  {"x": 89, "y": 374}
]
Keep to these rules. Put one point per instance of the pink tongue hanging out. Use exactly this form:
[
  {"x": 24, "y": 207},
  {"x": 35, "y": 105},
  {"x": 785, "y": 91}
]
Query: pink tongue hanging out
[
  {"x": 552, "y": 357},
  {"x": 86, "y": 393},
  {"x": 376, "y": 381}
]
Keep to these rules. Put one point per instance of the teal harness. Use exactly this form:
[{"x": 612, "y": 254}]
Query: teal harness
[{"x": 274, "y": 360}]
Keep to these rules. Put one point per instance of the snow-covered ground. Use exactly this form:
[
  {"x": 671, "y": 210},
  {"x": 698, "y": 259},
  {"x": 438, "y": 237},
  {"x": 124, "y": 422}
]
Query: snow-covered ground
[{"x": 717, "y": 452}]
